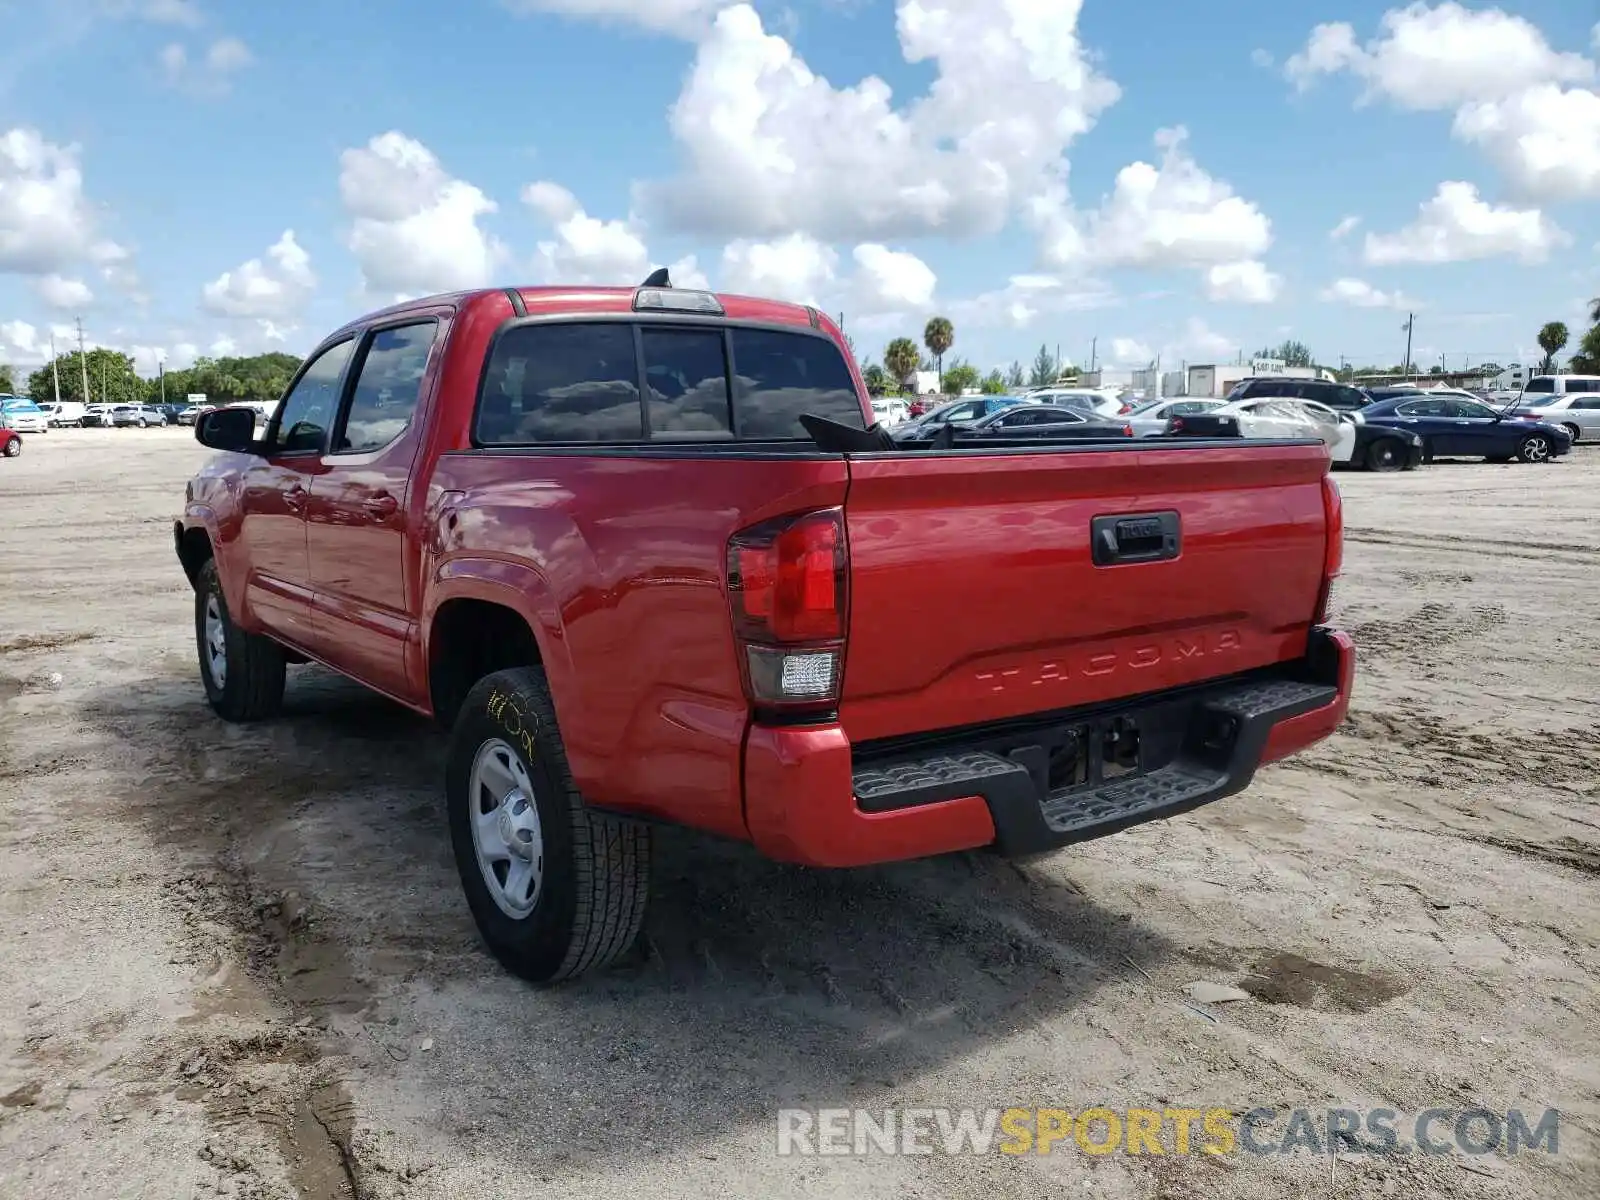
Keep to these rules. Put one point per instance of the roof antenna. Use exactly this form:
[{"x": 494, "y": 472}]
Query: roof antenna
[{"x": 658, "y": 279}]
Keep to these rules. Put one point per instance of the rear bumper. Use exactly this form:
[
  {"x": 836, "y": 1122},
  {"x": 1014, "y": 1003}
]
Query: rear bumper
[{"x": 812, "y": 798}]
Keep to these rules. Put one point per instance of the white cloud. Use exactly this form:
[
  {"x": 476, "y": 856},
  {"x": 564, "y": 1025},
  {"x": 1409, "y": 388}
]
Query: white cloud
[
  {"x": 1126, "y": 352},
  {"x": 684, "y": 17},
  {"x": 1457, "y": 226},
  {"x": 1431, "y": 58},
  {"x": 587, "y": 249},
  {"x": 1261, "y": 58},
  {"x": 1531, "y": 108},
  {"x": 773, "y": 148},
  {"x": 1027, "y": 298},
  {"x": 415, "y": 227},
  {"x": 1246, "y": 282},
  {"x": 1200, "y": 343},
  {"x": 892, "y": 281},
  {"x": 272, "y": 289},
  {"x": 23, "y": 344},
  {"x": 1546, "y": 139},
  {"x": 1344, "y": 228},
  {"x": 60, "y": 292},
  {"x": 796, "y": 268},
  {"x": 1358, "y": 293},
  {"x": 47, "y": 224},
  {"x": 1171, "y": 214},
  {"x": 212, "y": 74}
]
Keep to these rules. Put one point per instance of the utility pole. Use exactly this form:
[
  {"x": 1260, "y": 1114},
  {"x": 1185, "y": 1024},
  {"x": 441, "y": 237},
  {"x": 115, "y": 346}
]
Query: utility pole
[
  {"x": 161, "y": 370},
  {"x": 55, "y": 370},
  {"x": 1411, "y": 321},
  {"x": 1094, "y": 346},
  {"x": 83, "y": 362}
]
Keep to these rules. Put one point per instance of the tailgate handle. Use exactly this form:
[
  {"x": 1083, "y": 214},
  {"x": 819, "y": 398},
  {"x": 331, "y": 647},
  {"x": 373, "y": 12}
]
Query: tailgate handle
[{"x": 1134, "y": 538}]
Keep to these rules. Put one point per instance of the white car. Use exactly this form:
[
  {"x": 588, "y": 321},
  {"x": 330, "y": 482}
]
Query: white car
[
  {"x": 1271, "y": 417},
  {"x": 1576, "y": 411},
  {"x": 890, "y": 410},
  {"x": 1086, "y": 399},
  {"x": 1150, "y": 419},
  {"x": 24, "y": 415}
]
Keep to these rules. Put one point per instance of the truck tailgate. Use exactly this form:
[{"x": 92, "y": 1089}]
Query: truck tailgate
[{"x": 975, "y": 595}]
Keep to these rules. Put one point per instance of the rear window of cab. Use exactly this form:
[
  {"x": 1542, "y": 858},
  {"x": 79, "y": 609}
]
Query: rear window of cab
[{"x": 577, "y": 382}]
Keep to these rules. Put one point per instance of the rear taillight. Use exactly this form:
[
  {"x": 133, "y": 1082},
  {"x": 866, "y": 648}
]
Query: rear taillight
[
  {"x": 1127, "y": 431},
  {"x": 788, "y": 588},
  {"x": 1333, "y": 553}
]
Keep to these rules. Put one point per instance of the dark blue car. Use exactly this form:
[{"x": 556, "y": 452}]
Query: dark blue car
[{"x": 1459, "y": 427}]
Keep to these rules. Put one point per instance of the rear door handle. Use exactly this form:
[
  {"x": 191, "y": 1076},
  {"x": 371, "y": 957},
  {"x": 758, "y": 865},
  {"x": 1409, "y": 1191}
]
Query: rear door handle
[
  {"x": 382, "y": 505},
  {"x": 294, "y": 497}
]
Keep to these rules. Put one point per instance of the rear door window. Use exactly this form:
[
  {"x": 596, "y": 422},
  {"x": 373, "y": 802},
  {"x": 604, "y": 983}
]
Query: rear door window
[
  {"x": 780, "y": 376},
  {"x": 561, "y": 383}
]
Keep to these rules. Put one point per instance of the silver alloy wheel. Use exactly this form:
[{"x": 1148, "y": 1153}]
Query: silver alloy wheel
[
  {"x": 1536, "y": 448},
  {"x": 505, "y": 828},
  {"x": 216, "y": 642},
  {"x": 1573, "y": 432}
]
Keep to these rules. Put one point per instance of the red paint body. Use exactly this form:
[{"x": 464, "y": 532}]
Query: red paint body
[
  {"x": 10, "y": 439},
  {"x": 972, "y": 594}
]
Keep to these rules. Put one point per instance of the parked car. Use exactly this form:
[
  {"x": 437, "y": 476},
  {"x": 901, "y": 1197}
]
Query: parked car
[
  {"x": 1459, "y": 427},
  {"x": 1542, "y": 386},
  {"x": 143, "y": 415},
  {"x": 1342, "y": 396},
  {"x": 1578, "y": 412},
  {"x": 1068, "y": 695},
  {"x": 63, "y": 414},
  {"x": 170, "y": 410},
  {"x": 191, "y": 413},
  {"x": 1374, "y": 447},
  {"x": 23, "y": 415},
  {"x": 97, "y": 416},
  {"x": 1098, "y": 403},
  {"x": 1150, "y": 418},
  {"x": 959, "y": 413},
  {"x": 1046, "y": 421},
  {"x": 890, "y": 410},
  {"x": 10, "y": 440}
]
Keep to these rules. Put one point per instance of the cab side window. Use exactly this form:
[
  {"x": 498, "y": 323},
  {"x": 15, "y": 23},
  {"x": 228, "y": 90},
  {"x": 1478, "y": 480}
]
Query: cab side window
[
  {"x": 308, "y": 410},
  {"x": 388, "y": 384}
]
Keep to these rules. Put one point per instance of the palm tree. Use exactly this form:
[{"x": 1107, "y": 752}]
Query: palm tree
[
  {"x": 1551, "y": 339},
  {"x": 1594, "y": 310},
  {"x": 901, "y": 358},
  {"x": 939, "y": 336}
]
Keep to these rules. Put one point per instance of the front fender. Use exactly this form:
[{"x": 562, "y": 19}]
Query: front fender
[{"x": 203, "y": 517}]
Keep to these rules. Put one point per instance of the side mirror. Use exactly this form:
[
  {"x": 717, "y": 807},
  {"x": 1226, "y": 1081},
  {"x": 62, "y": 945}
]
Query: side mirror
[{"x": 227, "y": 429}]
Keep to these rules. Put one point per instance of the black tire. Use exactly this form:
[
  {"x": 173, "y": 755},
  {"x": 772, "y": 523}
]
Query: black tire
[
  {"x": 1386, "y": 454},
  {"x": 252, "y": 686},
  {"x": 1535, "y": 448},
  {"x": 13, "y": 448},
  {"x": 590, "y": 902},
  {"x": 1574, "y": 433}
]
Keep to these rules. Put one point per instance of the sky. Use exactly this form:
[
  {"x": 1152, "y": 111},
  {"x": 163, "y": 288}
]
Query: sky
[{"x": 1123, "y": 180}]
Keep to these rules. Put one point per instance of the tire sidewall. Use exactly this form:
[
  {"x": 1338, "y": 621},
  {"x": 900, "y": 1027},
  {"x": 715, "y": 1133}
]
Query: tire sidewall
[
  {"x": 1573, "y": 432},
  {"x": 1522, "y": 450},
  {"x": 514, "y": 707},
  {"x": 1375, "y": 452},
  {"x": 13, "y": 448}
]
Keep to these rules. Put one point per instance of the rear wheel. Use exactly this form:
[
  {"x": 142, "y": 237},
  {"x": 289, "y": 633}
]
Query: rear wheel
[
  {"x": 555, "y": 888},
  {"x": 243, "y": 672},
  {"x": 1535, "y": 448},
  {"x": 1386, "y": 454}
]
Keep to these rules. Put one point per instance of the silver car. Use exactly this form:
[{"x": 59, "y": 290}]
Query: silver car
[
  {"x": 1150, "y": 418},
  {"x": 1577, "y": 412}
]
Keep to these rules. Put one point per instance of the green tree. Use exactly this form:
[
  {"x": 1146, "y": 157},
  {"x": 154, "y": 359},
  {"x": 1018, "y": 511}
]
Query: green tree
[
  {"x": 1587, "y": 360},
  {"x": 1293, "y": 354},
  {"x": 1044, "y": 368},
  {"x": 960, "y": 377},
  {"x": 1016, "y": 376},
  {"x": 1553, "y": 337},
  {"x": 112, "y": 378},
  {"x": 938, "y": 336},
  {"x": 8, "y": 379},
  {"x": 900, "y": 358},
  {"x": 876, "y": 378},
  {"x": 993, "y": 384}
]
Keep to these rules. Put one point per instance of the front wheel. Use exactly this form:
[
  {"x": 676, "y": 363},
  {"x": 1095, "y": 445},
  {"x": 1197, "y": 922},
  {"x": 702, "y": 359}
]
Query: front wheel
[
  {"x": 243, "y": 672},
  {"x": 13, "y": 448},
  {"x": 555, "y": 888},
  {"x": 1573, "y": 432},
  {"x": 1535, "y": 448},
  {"x": 1385, "y": 455}
]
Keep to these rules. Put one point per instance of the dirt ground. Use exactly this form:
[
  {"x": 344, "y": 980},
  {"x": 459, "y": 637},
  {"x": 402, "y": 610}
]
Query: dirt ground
[{"x": 236, "y": 962}]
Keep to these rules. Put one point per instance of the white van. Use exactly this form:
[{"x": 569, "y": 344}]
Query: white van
[
  {"x": 1541, "y": 386},
  {"x": 68, "y": 412}
]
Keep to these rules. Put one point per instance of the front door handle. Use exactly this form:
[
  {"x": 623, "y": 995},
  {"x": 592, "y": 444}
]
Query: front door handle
[
  {"x": 381, "y": 505},
  {"x": 294, "y": 497}
]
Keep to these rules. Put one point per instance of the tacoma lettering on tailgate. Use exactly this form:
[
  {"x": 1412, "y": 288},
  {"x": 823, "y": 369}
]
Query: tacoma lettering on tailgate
[{"x": 1095, "y": 665}]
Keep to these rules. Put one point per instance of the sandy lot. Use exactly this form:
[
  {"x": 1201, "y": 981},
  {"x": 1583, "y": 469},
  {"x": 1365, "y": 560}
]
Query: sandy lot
[{"x": 236, "y": 961}]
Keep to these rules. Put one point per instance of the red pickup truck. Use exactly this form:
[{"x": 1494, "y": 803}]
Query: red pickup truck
[{"x": 588, "y": 531}]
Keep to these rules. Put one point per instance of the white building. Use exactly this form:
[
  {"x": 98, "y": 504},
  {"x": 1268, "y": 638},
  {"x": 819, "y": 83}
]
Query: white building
[{"x": 1513, "y": 379}]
